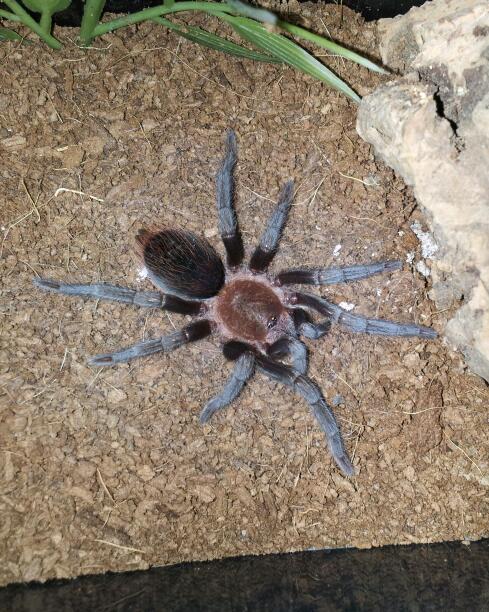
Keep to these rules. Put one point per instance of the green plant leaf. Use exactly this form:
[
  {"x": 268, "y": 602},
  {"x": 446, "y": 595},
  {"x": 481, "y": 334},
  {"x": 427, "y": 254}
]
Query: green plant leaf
[
  {"x": 247, "y": 10},
  {"x": 287, "y": 51},
  {"x": 47, "y": 6},
  {"x": 6, "y": 34},
  {"x": 335, "y": 48},
  {"x": 213, "y": 41}
]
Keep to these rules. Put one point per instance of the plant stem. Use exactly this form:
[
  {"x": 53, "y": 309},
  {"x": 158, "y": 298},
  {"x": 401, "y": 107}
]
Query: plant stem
[
  {"x": 31, "y": 23},
  {"x": 46, "y": 21},
  {"x": 90, "y": 20},
  {"x": 213, "y": 8},
  {"x": 10, "y": 16}
]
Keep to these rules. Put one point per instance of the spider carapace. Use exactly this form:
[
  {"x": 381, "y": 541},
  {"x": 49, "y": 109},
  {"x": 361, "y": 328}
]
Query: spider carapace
[{"x": 257, "y": 317}]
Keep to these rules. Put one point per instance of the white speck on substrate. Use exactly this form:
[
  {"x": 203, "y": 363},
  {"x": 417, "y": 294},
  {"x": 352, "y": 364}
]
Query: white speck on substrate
[
  {"x": 336, "y": 250},
  {"x": 378, "y": 291},
  {"x": 371, "y": 181},
  {"x": 428, "y": 244},
  {"x": 410, "y": 257},
  {"x": 210, "y": 233},
  {"x": 346, "y": 306},
  {"x": 422, "y": 268},
  {"x": 142, "y": 273},
  {"x": 400, "y": 233}
]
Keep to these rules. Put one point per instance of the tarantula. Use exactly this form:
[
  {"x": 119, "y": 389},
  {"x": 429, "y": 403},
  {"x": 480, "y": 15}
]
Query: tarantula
[{"x": 258, "y": 319}]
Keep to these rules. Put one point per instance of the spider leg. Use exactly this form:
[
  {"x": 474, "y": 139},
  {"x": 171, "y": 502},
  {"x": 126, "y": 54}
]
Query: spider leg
[
  {"x": 228, "y": 224},
  {"x": 190, "y": 333},
  {"x": 357, "y": 323},
  {"x": 329, "y": 276},
  {"x": 309, "y": 390},
  {"x": 242, "y": 371},
  {"x": 102, "y": 291},
  {"x": 270, "y": 239},
  {"x": 305, "y": 327},
  {"x": 293, "y": 347}
]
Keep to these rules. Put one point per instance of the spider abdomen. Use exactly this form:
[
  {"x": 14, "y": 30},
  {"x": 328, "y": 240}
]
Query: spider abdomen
[
  {"x": 181, "y": 263},
  {"x": 252, "y": 311}
]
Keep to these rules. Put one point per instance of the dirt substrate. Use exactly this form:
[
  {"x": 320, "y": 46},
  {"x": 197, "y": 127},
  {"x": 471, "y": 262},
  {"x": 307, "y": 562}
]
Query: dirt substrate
[{"x": 110, "y": 469}]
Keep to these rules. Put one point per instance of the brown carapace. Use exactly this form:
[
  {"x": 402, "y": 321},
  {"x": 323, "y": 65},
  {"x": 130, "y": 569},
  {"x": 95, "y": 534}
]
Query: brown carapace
[
  {"x": 258, "y": 319},
  {"x": 252, "y": 311}
]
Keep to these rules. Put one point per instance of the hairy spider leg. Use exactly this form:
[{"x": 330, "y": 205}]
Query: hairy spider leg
[
  {"x": 329, "y": 276},
  {"x": 357, "y": 323},
  {"x": 190, "y": 333},
  {"x": 265, "y": 251},
  {"x": 305, "y": 327},
  {"x": 309, "y": 390},
  {"x": 241, "y": 373},
  {"x": 103, "y": 291},
  {"x": 293, "y": 347},
  {"x": 228, "y": 223}
]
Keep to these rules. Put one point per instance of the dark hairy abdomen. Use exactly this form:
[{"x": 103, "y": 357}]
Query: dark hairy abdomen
[{"x": 181, "y": 263}]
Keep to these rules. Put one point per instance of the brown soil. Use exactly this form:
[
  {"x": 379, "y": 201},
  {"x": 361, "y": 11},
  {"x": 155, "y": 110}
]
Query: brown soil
[{"x": 110, "y": 469}]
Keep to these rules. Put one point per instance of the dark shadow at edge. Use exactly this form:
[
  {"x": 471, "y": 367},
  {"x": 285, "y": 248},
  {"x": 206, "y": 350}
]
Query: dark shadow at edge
[
  {"x": 447, "y": 576},
  {"x": 369, "y": 9}
]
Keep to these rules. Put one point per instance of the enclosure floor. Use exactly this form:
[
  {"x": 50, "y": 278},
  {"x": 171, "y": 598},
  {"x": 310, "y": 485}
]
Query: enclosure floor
[{"x": 110, "y": 469}]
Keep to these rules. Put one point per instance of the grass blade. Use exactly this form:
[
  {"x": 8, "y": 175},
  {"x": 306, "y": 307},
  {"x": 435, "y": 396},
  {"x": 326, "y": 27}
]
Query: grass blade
[
  {"x": 335, "y": 48},
  {"x": 288, "y": 52},
  {"x": 6, "y": 34},
  {"x": 212, "y": 41},
  {"x": 246, "y": 10}
]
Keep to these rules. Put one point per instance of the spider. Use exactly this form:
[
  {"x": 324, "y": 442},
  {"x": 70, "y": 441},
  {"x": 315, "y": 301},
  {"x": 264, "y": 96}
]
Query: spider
[{"x": 257, "y": 317}]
